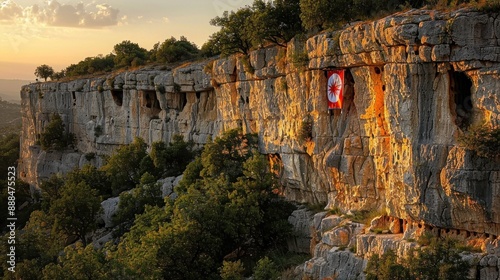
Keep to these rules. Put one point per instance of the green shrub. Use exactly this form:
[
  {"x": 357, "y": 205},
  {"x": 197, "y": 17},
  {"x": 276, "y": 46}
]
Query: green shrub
[
  {"x": 171, "y": 160},
  {"x": 365, "y": 216},
  {"x": 134, "y": 202},
  {"x": 439, "y": 260},
  {"x": 232, "y": 270},
  {"x": 125, "y": 167},
  {"x": 265, "y": 270},
  {"x": 483, "y": 140},
  {"x": 172, "y": 50},
  {"x": 54, "y": 135}
]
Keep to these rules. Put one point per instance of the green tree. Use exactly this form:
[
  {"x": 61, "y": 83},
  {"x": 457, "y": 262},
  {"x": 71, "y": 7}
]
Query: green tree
[
  {"x": 129, "y": 54},
  {"x": 386, "y": 267},
  {"x": 277, "y": 22},
  {"x": 172, "y": 160},
  {"x": 134, "y": 254},
  {"x": 76, "y": 211},
  {"x": 134, "y": 202},
  {"x": 36, "y": 246},
  {"x": 83, "y": 263},
  {"x": 51, "y": 190},
  {"x": 317, "y": 15},
  {"x": 232, "y": 270},
  {"x": 266, "y": 270},
  {"x": 44, "y": 71},
  {"x": 235, "y": 35},
  {"x": 172, "y": 50},
  {"x": 58, "y": 75},
  {"x": 91, "y": 65},
  {"x": 224, "y": 201},
  {"x": 126, "y": 166},
  {"x": 210, "y": 48},
  {"x": 54, "y": 135},
  {"x": 439, "y": 260},
  {"x": 92, "y": 177}
]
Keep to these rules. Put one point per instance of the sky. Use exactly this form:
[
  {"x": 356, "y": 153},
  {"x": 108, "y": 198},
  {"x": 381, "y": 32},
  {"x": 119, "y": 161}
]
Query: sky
[{"x": 63, "y": 32}]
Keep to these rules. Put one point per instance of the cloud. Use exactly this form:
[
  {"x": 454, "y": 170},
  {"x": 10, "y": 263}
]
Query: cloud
[
  {"x": 54, "y": 13},
  {"x": 9, "y": 10},
  {"x": 166, "y": 19}
]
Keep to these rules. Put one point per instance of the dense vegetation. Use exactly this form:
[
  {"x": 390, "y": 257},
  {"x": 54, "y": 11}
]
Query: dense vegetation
[
  {"x": 128, "y": 54},
  {"x": 54, "y": 135},
  {"x": 226, "y": 215},
  {"x": 438, "y": 259},
  {"x": 263, "y": 23}
]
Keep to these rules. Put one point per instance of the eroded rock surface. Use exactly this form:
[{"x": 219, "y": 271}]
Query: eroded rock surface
[{"x": 414, "y": 82}]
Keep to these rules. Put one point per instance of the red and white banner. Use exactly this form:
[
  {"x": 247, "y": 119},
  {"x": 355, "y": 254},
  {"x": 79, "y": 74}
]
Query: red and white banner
[{"x": 335, "y": 89}]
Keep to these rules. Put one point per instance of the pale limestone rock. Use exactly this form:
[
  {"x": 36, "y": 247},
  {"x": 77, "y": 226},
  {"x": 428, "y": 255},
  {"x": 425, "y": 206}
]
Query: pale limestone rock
[
  {"x": 393, "y": 146},
  {"x": 109, "y": 207},
  {"x": 167, "y": 186},
  {"x": 301, "y": 221},
  {"x": 330, "y": 222}
]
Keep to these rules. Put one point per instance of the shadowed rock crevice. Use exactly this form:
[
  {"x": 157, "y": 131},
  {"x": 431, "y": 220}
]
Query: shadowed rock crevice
[
  {"x": 117, "y": 95},
  {"x": 461, "y": 100}
]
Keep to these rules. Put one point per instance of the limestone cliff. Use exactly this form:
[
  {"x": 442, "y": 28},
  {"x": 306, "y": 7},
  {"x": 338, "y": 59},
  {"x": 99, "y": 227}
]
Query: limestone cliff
[{"x": 414, "y": 82}]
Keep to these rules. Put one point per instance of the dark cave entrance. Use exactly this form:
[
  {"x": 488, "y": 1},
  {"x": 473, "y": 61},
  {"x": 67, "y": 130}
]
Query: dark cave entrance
[
  {"x": 150, "y": 100},
  {"x": 117, "y": 95},
  {"x": 460, "y": 99}
]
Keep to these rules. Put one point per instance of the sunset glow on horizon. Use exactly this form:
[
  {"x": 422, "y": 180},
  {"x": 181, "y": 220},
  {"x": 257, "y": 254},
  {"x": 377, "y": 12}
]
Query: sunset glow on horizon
[{"x": 60, "y": 33}]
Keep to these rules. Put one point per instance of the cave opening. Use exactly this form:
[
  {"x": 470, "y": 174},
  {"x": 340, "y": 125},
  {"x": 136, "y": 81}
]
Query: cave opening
[
  {"x": 182, "y": 101},
  {"x": 460, "y": 99},
  {"x": 117, "y": 95},
  {"x": 150, "y": 100}
]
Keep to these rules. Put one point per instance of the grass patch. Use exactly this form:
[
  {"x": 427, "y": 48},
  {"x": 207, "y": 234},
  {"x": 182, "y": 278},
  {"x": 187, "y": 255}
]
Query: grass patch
[
  {"x": 335, "y": 211},
  {"x": 365, "y": 216}
]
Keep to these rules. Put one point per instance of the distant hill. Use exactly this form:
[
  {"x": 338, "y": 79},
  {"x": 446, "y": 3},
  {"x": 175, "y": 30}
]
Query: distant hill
[
  {"x": 10, "y": 118},
  {"x": 9, "y": 89}
]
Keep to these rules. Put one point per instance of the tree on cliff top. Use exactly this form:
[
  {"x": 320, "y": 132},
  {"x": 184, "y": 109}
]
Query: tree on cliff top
[
  {"x": 129, "y": 54},
  {"x": 235, "y": 33},
  {"x": 44, "y": 71},
  {"x": 277, "y": 22},
  {"x": 172, "y": 50},
  {"x": 254, "y": 26}
]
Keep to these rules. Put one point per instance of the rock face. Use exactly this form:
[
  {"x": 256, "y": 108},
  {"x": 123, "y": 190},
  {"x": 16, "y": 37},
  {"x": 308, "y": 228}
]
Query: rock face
[{"x": 414, "y": 82}]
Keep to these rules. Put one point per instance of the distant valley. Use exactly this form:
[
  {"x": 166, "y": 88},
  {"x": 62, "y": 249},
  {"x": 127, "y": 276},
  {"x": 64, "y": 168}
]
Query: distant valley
[
  {"x": 9, "y": 89},
  {"x": 10, "y": 118}
]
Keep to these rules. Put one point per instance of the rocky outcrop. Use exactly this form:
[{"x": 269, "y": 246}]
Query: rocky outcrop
[{"x": 414, "y": 82}]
